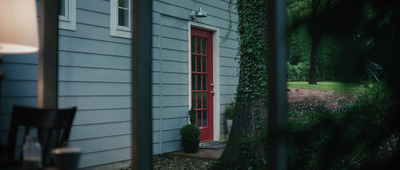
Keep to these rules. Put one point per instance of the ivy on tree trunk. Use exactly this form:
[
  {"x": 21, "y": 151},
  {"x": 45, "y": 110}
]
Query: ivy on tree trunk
[{"x": 244, "y": 148}]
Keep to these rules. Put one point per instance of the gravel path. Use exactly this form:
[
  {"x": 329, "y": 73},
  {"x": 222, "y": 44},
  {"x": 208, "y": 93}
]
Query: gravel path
[{"x": 165, "y": 161}]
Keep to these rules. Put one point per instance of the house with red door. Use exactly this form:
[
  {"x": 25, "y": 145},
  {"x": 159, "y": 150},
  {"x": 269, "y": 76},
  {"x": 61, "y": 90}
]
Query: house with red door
[{"x": 194, "y": 65}]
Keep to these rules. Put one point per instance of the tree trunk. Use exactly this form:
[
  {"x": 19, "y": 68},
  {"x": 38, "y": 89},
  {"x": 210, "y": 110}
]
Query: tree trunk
[
  {"x": 312, "y": 79},
  {"x": 315, "y": 38},
  {"x": 250, "y": 111},
  {"x": 238, "y": 154}
]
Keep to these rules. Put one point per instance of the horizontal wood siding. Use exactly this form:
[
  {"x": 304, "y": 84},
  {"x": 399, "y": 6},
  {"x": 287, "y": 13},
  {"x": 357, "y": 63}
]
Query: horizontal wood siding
[
  {"x": 94, "y": 75},
  {"x": 170, "y": 65},
  {"x": 18, "y": 87}
]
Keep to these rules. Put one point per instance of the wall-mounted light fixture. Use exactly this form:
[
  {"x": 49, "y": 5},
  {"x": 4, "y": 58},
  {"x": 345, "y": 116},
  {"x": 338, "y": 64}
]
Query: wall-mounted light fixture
[{"x": 198, "y": 14}]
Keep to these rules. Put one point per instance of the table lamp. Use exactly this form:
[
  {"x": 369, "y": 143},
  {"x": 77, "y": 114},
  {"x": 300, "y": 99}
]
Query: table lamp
[{"x": 18, "y": 27}]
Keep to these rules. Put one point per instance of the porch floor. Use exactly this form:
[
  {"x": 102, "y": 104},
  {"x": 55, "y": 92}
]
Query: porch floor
[{"x": 207, "y": 150}]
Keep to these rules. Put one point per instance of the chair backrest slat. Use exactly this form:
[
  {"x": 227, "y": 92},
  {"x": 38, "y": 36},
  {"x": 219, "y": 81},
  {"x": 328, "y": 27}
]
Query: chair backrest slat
[{"x": 49, "y": 124}]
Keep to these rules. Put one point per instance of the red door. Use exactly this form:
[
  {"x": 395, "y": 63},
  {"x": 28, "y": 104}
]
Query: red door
[{"x": 202, "y": 81}]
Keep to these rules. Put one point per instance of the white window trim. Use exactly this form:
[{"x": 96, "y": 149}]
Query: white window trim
[
  {"x": 68, "y": 22},
  {"x": 216, "y": 110},
  {"x": 115, "y": 29}
]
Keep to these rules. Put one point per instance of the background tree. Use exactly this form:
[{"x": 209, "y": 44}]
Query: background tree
[
  {"x": 305, "y": 14},
  {"x": 250, "y": 112}
]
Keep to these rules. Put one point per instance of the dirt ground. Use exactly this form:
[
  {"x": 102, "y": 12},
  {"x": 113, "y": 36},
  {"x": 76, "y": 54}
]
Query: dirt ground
[{"x": 303, "y": 100}]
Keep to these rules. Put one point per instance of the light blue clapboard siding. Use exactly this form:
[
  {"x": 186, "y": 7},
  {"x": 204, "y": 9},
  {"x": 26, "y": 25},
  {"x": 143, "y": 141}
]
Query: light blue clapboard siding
[
  {"x": 90, "y": 32},
  {"x": 103, "y": 144},
  {"x": 174, "y": 112},
  {"x": 8, "y": 102},
  {"x": 175, "y": 33},
  {"x": 95, "y": 102},
  {"x": 225, "y": 80},
  {"x": 175, "y": 78},
  {"x": 170, "y": 146},
  {"x": 101, "y": 6},
  {"x": 174, "y": 44},
  {"x": 18, "y": 87},
  {"x": 80, "y": 132},
  {"x": 18, "y": 71},
  {"x": 92, "y": 17},
  {"x": 93, "y": 60},
  {"x": 93, "y": 46},
  {"x": 229, "y": 52},
  {"x": 175, "y": 55},
  {"x": 95, "y": 76},
  {"x": 105, "y": 157},
  {"x": 93, "y": 89},
  {"x": 84, "y": 117},
  {"x": 170, "y": 65},
  {"x": 171, "y": 135},
  {"x": 156, "y": 112},
  {"x": 228, "y": 62},
  {"x": 228, "y": 71},
  {"x": 20, "y": 59}
]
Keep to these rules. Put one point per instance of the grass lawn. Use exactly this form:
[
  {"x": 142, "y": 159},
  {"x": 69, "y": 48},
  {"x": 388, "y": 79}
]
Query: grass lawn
[{"x": 338, "y": 87}]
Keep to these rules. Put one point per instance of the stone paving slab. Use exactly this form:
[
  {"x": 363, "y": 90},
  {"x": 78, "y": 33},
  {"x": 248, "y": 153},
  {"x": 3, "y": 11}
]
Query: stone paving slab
[{"x": 202, "y": 153}]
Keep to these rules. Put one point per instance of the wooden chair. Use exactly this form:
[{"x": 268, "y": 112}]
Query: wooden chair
[{"x": 52, "y": 126}]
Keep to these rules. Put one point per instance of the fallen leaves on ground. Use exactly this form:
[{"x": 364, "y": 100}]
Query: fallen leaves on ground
[{"x": 166, "y": 161}]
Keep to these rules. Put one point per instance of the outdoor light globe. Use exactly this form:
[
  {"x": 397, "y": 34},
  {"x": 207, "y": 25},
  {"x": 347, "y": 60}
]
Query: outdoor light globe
[
  {"x": 18, "y": 27},
  {"x": 201, "y": 14},
  {"x": 198, "y": 14}
]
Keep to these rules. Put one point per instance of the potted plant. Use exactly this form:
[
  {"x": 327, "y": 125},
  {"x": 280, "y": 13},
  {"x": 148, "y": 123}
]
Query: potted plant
[
  {"x": 192, "y": 116},
  {"x": 190, "y": 138},
  {"x": 229, "y": 113}
]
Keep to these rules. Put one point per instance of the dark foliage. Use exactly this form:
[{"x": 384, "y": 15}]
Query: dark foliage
[{"x": 190, "y": 131}]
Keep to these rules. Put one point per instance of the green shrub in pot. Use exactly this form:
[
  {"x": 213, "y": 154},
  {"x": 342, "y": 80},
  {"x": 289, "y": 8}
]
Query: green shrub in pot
[{"x": 190, "y": 138}]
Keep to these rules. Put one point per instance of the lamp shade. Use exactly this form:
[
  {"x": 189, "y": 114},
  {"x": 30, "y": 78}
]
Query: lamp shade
[{"x": 18, "y": 27}]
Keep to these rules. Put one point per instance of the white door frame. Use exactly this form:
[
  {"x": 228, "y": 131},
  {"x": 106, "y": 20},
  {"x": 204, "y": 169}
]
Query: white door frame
[{"x": 216, "y": 102}]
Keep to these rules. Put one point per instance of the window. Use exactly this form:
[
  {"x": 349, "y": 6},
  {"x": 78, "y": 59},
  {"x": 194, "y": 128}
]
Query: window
[
  {"x": 120, "y": 18},
  {"x": 67, "y": 15}
]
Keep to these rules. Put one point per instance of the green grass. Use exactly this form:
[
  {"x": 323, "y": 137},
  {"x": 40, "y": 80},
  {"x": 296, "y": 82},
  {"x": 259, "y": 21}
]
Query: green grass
[{"x": 337, "y": 87}]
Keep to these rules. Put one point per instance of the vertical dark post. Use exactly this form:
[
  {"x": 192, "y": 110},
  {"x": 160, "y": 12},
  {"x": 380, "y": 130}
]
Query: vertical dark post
[
  {"x": 141, "y": 84},
  {"x": 277, "y": 101},
  {"x": 48, "y": 54}
]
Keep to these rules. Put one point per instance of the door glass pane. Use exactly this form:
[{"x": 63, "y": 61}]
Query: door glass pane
[
  {"x": 205, "y": 118},
  {"x": 193, "y": 45},
  {"x": 193, "y": 100},
  {"x": 204, "y": 100},
  {"x": 198, "y": 45},
  {"x": 199, "y": 82},
  {"x": 204, "y": 63},
  {"x": 199, "y": 118},
  {"x": 193, "y": 61},
  {"x": 204, "y": 50},
  {"x": 204, "y": 81},
  {"x": 199, "y": 100},
  {"x": 193, "y": 81},
  {"x": 198, "y": 63}
]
